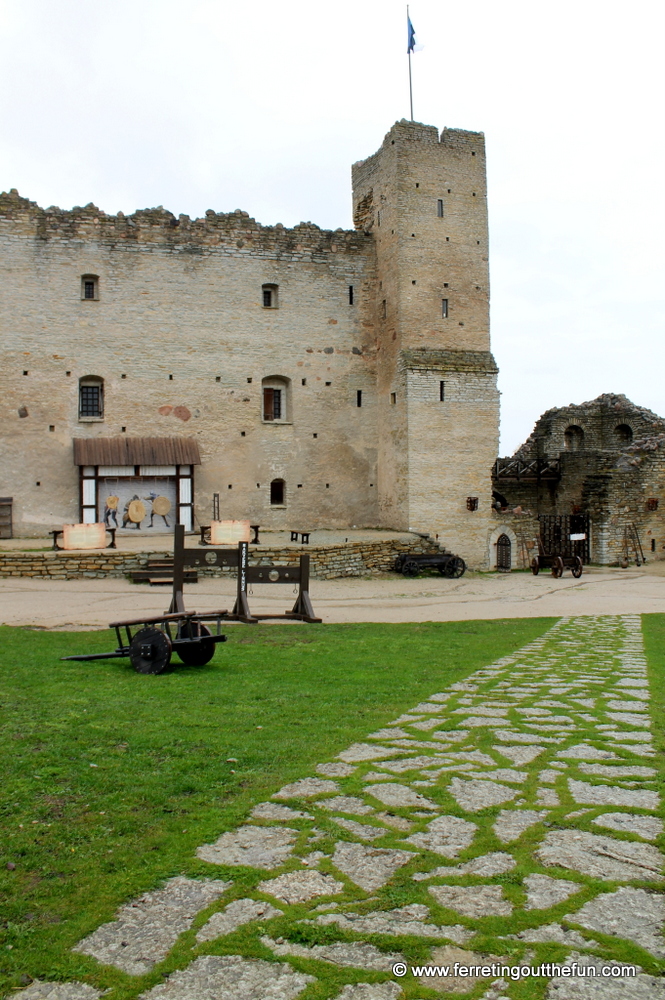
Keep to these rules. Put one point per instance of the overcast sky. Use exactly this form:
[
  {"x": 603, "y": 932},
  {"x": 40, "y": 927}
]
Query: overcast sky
[{"x": 197, "y": 104}]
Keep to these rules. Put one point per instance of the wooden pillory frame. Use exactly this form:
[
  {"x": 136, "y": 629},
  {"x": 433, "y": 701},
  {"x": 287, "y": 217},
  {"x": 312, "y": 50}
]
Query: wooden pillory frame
[
  {"x": 238, "y": 559},
  {"x": 149, "y": 642}
]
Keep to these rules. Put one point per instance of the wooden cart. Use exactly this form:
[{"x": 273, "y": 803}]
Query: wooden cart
[{"x": 447, "y": 564}]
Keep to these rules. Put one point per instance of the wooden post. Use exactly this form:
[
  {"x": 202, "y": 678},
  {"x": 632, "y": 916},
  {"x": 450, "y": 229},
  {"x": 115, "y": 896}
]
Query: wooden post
[
  {"x": 241, "y": 607},
  {"x": 178, "y": 601}
]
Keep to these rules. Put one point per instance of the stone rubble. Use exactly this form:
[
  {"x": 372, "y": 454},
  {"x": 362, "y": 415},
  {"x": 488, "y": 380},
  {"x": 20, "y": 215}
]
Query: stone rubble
[
  {"x": 253, "y": 846},
  {"x": 473, "y": 901},
  {"x": 230, "y": 977},
  {"x": 369, "y": 867},
  {"x": 237, "y": 913},
  {"x": 632, "y": 914},
  {"x": 296, "y": 887},
  {"x": 405, "y": 920},
  {"x": 542, "y": 891},
  {"x": 355, "y": 954},
  {"x": 144, "y": 931}
]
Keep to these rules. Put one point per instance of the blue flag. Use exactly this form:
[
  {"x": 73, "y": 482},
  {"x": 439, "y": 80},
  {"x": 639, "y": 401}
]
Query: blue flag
[{"x": 412, "y": 36}]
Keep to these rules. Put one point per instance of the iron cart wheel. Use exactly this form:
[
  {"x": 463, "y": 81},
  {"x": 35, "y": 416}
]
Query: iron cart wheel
[
  {"x": 150, "y": 651},
  {"x": 577, "y": 568},
  {"x": 557, "y": 567},
  {"x": 399, "y": 562},
  {"x": 535, "y": 567},
  {"x": 198, "y": 653},
  {"x": 454, "y": 568},
  {"x": 410, "y": 568}
]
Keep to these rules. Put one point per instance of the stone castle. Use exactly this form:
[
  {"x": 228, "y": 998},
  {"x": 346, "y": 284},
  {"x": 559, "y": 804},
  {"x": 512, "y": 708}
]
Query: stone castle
[
  {"x": 310, "y": 378},
  {"x": 302, "y": 378}
]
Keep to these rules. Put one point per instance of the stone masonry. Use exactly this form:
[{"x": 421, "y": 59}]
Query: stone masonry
[
  {"x": 611, "y": 459},
  {"x": 388, "y": 411}
]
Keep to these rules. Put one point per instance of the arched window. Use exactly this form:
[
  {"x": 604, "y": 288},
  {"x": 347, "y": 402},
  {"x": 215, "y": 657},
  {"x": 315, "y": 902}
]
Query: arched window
[
  {"x": 91, "y": 397},
  {"x": 623, "y": 434},
  {"x": 573, "y": 438},
  {"x": 276, "y": 399},
  {"x": 278, "y": 493}
]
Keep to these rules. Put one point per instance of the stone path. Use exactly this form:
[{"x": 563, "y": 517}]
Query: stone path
[{"x": 510, "y": 818}]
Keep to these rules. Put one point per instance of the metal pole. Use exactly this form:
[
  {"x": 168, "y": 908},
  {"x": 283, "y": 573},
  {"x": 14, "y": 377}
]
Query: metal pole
[{"x": 408, "y": 24}]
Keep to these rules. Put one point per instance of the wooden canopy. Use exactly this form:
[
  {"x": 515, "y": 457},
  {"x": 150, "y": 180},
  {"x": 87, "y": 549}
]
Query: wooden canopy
[{"x": 136, "y": 451}]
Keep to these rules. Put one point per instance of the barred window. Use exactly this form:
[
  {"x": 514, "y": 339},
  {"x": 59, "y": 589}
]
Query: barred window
[
  {"x": 91, "y": 397},
  {"x": 89, "y": 287}
]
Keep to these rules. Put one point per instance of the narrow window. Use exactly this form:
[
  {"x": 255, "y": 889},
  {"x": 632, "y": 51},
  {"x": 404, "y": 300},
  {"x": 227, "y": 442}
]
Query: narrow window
[
  {"x": 277, "y": 493},
  {"x": 439, "y": 208},
  {"x": 444, "y": 308},
  {"x": 89, "y": 287},
  {"x": 275, "y": 398},
  {"x": 359, "y": 397},
  {"x": 393, "y": 398},
  {"x": 350, "y": 295},
  {"x": 442, "y": 391},
  {"x": 384, "y": 309},
  {"x": 91, "y": 397},
  {"x": 269, "y": 293},
  {"x": 378, "y": 218}
]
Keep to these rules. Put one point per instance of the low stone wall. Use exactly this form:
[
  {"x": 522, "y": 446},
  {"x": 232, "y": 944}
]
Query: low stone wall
[{"x": 326, "y": 561}]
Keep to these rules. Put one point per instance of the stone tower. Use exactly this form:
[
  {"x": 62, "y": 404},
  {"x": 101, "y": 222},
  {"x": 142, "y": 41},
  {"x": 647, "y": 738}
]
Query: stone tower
[{"x": 423, "y": 199}]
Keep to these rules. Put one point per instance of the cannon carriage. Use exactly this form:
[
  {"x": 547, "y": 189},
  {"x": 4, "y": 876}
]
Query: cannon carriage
[{"x": 448, "y": 565}]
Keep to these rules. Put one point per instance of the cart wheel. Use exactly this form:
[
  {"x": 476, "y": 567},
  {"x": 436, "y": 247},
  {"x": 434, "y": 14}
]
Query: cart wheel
[
  {"x": 535, "y": 567},
  {"x": 410, "y": 568},
  {"x": 557, "y": 567},
  {"x": 577, "y": 568},
  {"x": 454, "y": 568},
  {"x": 199, "y": 653},
  {"x": 399, "y": 562},
  {"x": 150, "y": 651}
]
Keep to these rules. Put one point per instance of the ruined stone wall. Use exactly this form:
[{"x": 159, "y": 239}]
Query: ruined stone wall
[
  {"x": 608, "y": 423},
  {"x": 619, "y": 487},
  {"x": 182, "y": 340}
]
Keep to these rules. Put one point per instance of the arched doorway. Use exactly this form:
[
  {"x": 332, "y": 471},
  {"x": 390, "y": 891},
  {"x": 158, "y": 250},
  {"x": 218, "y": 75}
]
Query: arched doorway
[{"x": 503, "y": 554}]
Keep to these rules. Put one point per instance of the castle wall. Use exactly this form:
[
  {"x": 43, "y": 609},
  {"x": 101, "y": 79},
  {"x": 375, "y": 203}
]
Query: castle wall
[
  {"x": 353, "y": 333},
  {"x": 181, "y": 338}
]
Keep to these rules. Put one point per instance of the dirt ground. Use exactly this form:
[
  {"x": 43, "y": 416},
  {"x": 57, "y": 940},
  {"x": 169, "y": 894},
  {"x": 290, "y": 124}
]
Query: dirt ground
[{"x": 76, "y": 604}]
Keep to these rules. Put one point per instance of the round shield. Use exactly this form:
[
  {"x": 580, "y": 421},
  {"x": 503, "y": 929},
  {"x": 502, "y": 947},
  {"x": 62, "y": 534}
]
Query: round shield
[
  {"x": 112, "y": 502},
  {"x": 136, "y": 511},
  {"x": 161, "y": 505}
]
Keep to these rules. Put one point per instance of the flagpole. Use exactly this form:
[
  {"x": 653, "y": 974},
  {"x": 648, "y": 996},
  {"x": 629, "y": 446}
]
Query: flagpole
[{"x": 410, "y": 82}]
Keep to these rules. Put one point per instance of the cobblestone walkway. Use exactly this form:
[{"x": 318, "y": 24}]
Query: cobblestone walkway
[{"x": 509, "y": 818}]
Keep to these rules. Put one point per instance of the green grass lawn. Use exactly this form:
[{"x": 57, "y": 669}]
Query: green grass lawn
[{"x": 111, "y": 779}]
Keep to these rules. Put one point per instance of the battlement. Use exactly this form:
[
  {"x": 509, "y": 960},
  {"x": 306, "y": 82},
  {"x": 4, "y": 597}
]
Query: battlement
[{"x": 236, "y": 231}]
